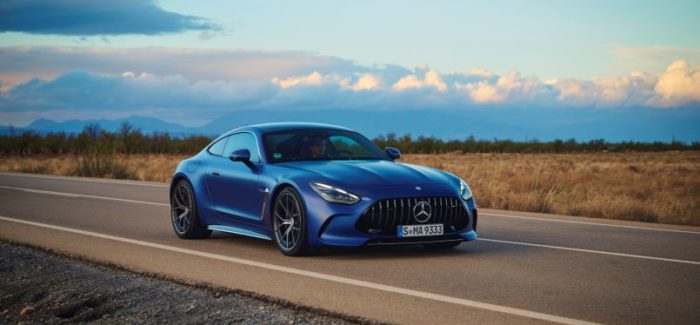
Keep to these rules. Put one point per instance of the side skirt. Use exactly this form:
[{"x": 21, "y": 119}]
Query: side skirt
[{"x": 239, "y": 231}]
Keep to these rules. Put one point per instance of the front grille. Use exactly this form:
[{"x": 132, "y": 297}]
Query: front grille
[{"x": 383, "y": 216}]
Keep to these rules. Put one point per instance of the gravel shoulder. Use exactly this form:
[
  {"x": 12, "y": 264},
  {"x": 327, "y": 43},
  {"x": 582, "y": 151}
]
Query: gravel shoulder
[{"x": 44, "y": 287}]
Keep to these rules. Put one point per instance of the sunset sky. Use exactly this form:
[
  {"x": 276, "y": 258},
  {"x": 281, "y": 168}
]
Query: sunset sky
[{"x": 190, "y": 62}]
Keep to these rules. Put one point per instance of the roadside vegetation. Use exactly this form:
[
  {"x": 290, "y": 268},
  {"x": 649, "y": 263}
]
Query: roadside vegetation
[
  {"x": 652, "y": 182},
  {"x": 128, "y": 140}
]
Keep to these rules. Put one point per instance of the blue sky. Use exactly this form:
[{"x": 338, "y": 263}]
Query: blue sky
[{"x": 202, "y": 59}]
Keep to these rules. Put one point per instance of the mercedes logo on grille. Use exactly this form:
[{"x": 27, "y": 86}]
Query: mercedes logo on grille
[{"x": 422, "y": 211}]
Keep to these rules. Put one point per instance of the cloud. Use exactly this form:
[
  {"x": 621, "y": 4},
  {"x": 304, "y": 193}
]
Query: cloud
[
  {"x": 95, "y": 17},
  {"x": 367, "y": 81},
  {"x": 19, "y": 64},
  {"x": 132, "y": 92},
  {"x": 635, "y": 89},
  {"x": 679, "y": 84},
  {"x": 341, "y": 85},
  {"x": 506, "y": 88},
  {"x": 431, "y": 78},
  {"x": 313, "y": 79}
]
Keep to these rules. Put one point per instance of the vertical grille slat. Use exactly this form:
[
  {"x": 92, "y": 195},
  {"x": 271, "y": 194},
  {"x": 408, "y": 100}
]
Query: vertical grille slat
[
  {"x": 385, "y": 218},
  {"x": 451, "y": 210},
  {"x": 457, "y": 213},
  {"x": 448, "y": 209},
  {"x": 403, "y": 212},
  {"x": 436, "y": 210},
  {"x": 445, "y": 208}
]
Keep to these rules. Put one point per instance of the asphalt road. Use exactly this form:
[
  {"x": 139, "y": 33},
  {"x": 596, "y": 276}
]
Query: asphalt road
[{"x": 524, "y": 268}]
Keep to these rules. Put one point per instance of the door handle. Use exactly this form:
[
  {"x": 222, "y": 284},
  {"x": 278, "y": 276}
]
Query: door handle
[{"x": 215, "y": 173}]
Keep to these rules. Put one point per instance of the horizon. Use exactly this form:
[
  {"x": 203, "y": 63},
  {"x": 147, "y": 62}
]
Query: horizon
[
  {"x": 149, "y": 125},
  {"x": 563, "y": 70},
  {"x": 442, "y": 145}
]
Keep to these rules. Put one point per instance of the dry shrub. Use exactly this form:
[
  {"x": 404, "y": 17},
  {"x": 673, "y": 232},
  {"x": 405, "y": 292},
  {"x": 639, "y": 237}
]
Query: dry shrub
[
  {"x": 653, "y": 186},
  {"x": 157, "y": 168},
  {"x": 659, "y": 187}
]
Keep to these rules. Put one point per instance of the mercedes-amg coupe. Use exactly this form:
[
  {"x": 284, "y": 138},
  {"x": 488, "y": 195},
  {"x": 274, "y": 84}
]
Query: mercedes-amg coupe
[{"x": 307, "y": 186}]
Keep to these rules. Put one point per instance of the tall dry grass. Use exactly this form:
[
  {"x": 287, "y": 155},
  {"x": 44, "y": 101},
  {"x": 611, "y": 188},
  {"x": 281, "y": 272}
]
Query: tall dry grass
[
  {"x": 150, "y": 167},
  {"x": 659, "y": 187}
]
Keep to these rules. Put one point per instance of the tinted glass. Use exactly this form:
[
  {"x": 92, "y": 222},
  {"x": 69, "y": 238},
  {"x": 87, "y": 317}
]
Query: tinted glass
[
  {"x": 240, "y": 141},
  {"x": 319, "y": 144},
  {"x": 218, "y": 147}
]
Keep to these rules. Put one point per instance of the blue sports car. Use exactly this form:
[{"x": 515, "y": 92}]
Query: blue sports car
[{"x": 307, "y": 186}]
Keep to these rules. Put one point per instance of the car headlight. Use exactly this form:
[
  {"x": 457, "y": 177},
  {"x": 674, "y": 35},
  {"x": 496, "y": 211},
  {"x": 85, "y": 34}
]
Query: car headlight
[
  {"x": 334, "y": 194},
  {"x": 464, "y": 191}
]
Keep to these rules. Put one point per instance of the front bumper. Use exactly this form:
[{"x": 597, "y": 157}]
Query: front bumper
[{"x": 336, "y": 225}]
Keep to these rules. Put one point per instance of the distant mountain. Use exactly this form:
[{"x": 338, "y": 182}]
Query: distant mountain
[
  {"x": 520, "y": 124},
  {"x": 516, "y": 123},
  {"x": 145, "y": 124}
]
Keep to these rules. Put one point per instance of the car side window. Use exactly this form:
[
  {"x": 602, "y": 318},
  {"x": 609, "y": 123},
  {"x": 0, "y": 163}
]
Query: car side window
[
  {"x": 240, "y": 141},
  {"x": 218, "y": 147}
]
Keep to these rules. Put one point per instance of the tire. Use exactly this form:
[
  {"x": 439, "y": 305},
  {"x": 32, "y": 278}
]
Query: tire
[
  {"x": 289, "y": 226},
  {"x": 183, "y": 213},
  {"x": 445, "y": 245}
]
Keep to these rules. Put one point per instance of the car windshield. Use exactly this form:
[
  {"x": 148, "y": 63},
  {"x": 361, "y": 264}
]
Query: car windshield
[{"x": 319, "y": 144}]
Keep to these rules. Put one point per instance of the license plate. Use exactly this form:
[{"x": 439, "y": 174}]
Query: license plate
[{"x": 420, "y": 230}]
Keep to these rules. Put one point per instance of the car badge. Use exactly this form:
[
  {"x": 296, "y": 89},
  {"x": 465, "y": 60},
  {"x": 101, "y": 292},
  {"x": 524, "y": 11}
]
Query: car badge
[
  {"x": 422, "y": 211},
  {"x": 418, "y": 188}
]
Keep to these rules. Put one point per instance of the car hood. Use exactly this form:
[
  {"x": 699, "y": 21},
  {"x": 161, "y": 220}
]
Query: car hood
[{"x": 370, "y": 172}]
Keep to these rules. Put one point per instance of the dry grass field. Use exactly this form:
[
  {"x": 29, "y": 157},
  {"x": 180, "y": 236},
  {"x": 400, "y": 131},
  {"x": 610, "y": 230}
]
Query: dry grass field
[{"x": 661, "y": 187}]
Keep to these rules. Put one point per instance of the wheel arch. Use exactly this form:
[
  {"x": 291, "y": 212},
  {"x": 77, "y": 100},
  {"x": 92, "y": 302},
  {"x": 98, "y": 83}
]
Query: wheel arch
[
  {"x": 276, "y": 191},
  {"x": 281, "y": 186},
  {"x": 176, "y": 179}
]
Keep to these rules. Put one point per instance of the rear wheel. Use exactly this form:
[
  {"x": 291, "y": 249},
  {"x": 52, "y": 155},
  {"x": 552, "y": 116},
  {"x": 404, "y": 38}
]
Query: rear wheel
[
  {"x": 289, "y": 224},
  {"x": 183, "y": 213},
  {"x": 445, "y": 245}
]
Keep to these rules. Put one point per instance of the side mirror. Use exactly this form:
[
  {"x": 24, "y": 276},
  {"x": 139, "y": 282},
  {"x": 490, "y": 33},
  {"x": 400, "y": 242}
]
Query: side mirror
[
  {"x": 393, "y": 153},
  {"x": 242, "y": 155}
]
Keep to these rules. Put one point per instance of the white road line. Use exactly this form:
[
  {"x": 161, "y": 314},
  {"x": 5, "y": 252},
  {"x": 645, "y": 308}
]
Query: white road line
[
  {"x": 76, "y": 195},
  {"x": 85, "y": 179},
  {"x": 590, "y": 251},
  {"x": 315, "y": 275},
  {"x": 142, "y": 183},
  {"x": 591, "y": 223}
]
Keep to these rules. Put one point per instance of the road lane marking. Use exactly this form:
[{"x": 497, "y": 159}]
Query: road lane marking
[
  {"x": 315, "y": 275},
  {"x": 143, "y": 183},
  {"x": 590, "y": 223},
  {"x": 589, "y": 251},
  {"x": 76, "y": 195},
  {"x": 86, "y": 179}
]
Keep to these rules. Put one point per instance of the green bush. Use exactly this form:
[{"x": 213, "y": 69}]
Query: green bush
[{"x": 95, "y": 145}]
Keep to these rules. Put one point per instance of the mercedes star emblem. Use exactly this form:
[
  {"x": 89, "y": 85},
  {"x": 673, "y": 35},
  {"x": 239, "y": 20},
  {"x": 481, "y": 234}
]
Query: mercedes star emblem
[{"x": 422, "y": 211}]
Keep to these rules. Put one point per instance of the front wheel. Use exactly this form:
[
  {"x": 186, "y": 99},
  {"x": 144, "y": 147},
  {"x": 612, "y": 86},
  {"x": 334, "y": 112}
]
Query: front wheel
[
  {"x": 183, "y": 213},
  {"x": 289, "y": 224}
]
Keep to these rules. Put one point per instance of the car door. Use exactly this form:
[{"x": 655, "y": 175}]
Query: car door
[{"x": 234, "y": 186}]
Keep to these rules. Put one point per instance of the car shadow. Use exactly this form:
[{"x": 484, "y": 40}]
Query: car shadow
[{"x": 466, "y": 249}]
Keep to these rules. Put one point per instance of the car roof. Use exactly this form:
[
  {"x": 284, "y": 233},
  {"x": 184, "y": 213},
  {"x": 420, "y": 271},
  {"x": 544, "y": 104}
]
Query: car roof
[{"x": 271, "y": 127}]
